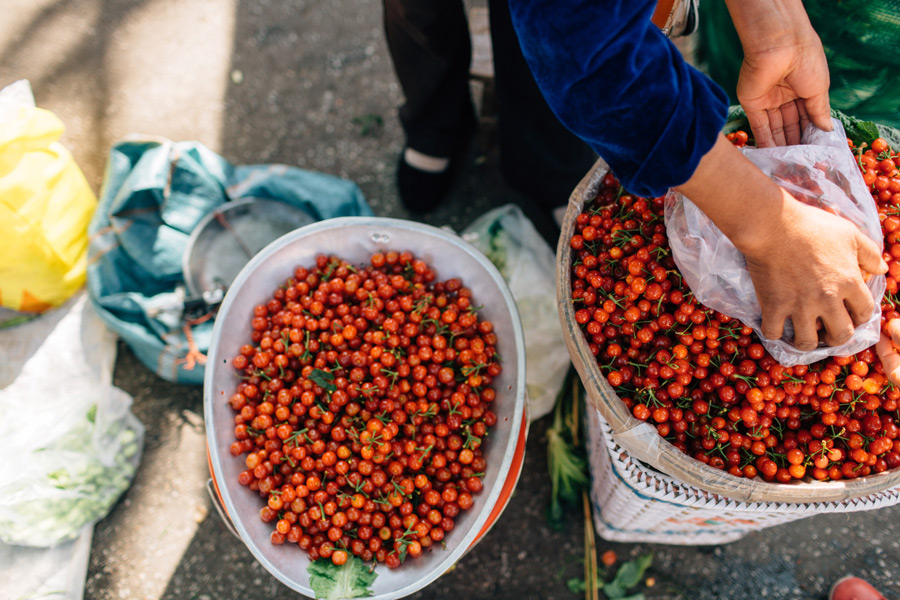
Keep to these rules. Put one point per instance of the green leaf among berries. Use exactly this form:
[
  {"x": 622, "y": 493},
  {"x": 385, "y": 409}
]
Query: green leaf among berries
[{"x": 323, "y": 379}]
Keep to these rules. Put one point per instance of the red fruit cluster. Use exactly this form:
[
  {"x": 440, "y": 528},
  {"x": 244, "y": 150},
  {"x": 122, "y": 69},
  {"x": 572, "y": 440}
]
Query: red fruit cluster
[
  {"x": 703, "y": 379},
  {"x": 364, "y": 401}
]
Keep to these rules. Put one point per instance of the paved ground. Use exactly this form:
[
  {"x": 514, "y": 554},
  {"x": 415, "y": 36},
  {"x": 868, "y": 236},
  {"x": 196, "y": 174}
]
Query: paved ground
[{"x": 309, "y": 83}]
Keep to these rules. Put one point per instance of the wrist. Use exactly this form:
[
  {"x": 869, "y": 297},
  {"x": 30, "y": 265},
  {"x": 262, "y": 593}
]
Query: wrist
[
  {"x": 763, "y": 227},
  {"x": 764, "y": 25},
  {"x": 740, "y": 199}
]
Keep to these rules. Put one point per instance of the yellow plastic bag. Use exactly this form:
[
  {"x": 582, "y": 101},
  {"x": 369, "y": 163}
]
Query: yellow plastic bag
[{"x": 45, "y": 207}]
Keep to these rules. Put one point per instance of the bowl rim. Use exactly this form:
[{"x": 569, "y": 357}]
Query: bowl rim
[{"x": 518, "y": 406}]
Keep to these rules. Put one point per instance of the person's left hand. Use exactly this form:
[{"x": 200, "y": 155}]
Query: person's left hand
[
  {"x": 888, "y": 350},
  {"x": 783, "y": 83}
]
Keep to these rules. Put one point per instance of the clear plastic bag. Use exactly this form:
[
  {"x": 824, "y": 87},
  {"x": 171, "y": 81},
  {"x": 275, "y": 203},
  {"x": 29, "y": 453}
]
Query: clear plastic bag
[
  {"x": 528, "y": 265},
  {"x": 75, "y": 441},
  {"x": 821, "y": 171},
  {"x": 81, "y": 452}
]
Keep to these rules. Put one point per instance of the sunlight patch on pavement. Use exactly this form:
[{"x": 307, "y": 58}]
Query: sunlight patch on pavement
[
  {"x": 169, "y": 65},
  {"x": 160, "y": 514},
  {"x": 40, "y": 36},
  {"x": 110, "y": 68}
]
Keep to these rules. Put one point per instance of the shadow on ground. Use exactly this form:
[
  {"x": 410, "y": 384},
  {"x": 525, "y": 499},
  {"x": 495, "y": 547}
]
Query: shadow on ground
[{"x": 311, "y": 85}]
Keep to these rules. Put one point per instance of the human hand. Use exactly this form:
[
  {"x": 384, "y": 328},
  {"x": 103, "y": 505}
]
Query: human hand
[
  {"x": 805, "y": 263},
  {"x": 888, "y": 350},
  {"x": 783, "y": 82},
  {"x": 809, "y": 268}
]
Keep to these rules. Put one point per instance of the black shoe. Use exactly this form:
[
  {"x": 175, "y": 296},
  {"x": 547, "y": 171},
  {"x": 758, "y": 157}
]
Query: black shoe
[{"x": 422, "y": 191}]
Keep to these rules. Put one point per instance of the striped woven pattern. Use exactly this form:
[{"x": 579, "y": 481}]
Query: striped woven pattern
[{"x": 635, "y": 503}]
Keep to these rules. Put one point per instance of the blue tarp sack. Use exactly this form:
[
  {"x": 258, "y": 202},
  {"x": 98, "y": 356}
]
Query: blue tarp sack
[{"x": 154, "y": 194}]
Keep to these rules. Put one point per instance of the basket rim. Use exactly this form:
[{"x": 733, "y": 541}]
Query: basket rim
[
  {"x": 639, "y": 439},
  {"x": 651, "y": 484}
]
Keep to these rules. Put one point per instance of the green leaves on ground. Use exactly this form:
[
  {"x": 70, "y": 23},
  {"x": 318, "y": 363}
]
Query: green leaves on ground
[
  {"x": 566, "y": 463},
  {"x": 628, "y": 576},
  {"x": 350, "y": 580},
  {"x": 369, "y": 124},
  {"x": 17, "y": 321}
]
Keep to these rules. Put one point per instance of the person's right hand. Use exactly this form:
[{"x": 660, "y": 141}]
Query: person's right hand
[
  {"x": 805, "y": 263},
  {"x": 887, "y": 350},
  {"x": 809, "y": 268}
]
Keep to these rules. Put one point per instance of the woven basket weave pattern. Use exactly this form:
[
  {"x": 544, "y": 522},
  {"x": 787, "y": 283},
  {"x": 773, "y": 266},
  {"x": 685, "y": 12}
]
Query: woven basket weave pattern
[
  {"x": 641, "y": 440},
  {"x": 634, "y": 503}
]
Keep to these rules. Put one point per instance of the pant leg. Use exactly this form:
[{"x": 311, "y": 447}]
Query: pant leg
[
  {"x": 539, "y": 157},
  {"x": 431, "y": 51}
]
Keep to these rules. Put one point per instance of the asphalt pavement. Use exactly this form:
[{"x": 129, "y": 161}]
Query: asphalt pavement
[{"x": 309, "y": 83}]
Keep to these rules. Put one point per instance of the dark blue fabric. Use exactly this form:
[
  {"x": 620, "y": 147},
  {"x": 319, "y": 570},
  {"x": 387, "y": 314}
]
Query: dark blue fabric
[{"x": 618, "y": 83}]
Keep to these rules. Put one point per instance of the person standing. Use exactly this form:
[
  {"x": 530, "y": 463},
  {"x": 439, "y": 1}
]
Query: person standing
[{"x": 430, "y": 47}]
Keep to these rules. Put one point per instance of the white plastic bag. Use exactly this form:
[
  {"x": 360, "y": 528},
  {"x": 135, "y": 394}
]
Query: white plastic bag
[
  {"x": 75, "y": 441},
  {"x": 820, "y": 171},
  {"x": 528, "y": 265},
  {"x": 56, "y": 573}
]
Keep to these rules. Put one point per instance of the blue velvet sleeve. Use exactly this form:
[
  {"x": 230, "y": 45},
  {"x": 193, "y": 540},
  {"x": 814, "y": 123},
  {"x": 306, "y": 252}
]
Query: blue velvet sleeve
[{"x": 618, "y": 83}]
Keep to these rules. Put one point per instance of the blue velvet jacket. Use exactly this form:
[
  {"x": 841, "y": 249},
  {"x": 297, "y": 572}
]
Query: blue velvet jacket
[{"x": 618, "y": 83}]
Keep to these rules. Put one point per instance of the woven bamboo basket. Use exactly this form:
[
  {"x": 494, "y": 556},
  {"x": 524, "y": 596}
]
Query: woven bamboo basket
[
  {"x": 640, "y": 439},
  {"x": 634, "y": 503}
]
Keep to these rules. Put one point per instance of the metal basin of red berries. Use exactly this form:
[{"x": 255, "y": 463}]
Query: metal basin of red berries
[
  {"x": 365, "y": 402},
  {"x": 692, "y": 392}
]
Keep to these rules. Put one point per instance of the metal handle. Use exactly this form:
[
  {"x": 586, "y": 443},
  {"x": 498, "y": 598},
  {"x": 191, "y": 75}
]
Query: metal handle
[{"x": 217, "y": 502}]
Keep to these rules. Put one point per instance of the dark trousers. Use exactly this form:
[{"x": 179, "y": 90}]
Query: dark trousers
[{"x": 431, "y": 51}]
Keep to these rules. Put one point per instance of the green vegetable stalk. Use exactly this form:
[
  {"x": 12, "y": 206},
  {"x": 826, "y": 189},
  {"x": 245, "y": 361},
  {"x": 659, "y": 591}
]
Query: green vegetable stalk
[
  {"x": 627, "y": 576},
  {"x": 566, "y": 462}
]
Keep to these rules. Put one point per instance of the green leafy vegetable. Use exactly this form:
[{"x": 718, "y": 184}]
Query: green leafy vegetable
[
  {"x": 630, "y": 573},
  {"x": 628, "y": 576},
  {"x": 858, "y": 131},
  {"x": 350, "y": 580},
  {"x": 89, "y": 465},
  {"x": 736, "y": 120},
  {"x": 576, "y": 585},
  {"x": 499, "y": 247},
  {"x": 567, "y": 465},
  {"x": 323, "y": 379}
]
